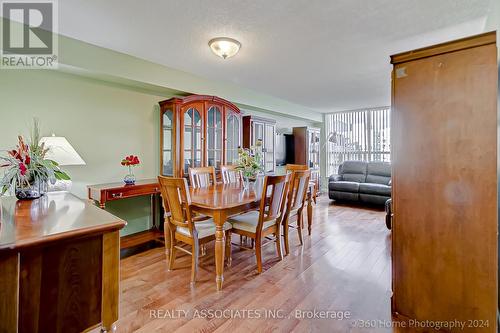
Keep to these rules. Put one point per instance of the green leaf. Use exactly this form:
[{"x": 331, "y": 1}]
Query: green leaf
[
  {"x": 53, "y": 162},
  {"x": 5, "y": 188},
  {"x": 61, "y": 175}
]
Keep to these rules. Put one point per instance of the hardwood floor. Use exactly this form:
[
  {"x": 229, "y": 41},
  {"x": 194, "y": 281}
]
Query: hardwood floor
[{"x": 343, "y": 266}]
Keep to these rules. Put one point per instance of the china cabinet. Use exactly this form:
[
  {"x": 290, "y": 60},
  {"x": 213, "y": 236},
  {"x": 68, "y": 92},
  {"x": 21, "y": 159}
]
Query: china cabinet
[
  {"x": 197, "y": 131},
  {"x": 307, "y": 146},
  {"x": 263, "y": 129}
]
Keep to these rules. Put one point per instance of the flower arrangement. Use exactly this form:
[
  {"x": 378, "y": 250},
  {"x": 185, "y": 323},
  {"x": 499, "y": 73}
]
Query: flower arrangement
[
  {"x": 27, "y": 170},
  {"x": 130, "y": 161},
  {"x": 250, "y": 161}
]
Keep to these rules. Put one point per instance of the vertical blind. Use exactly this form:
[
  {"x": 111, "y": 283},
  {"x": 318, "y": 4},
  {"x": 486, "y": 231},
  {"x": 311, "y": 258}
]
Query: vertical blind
[{"x": 362, "y": 135}]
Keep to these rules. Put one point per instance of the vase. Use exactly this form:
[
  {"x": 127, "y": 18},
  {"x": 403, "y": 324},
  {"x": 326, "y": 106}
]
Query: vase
[
  {"x": 246, "y": 182},
  {"x": 32, "y": 191},
  {"x": 129, "y": 179}
]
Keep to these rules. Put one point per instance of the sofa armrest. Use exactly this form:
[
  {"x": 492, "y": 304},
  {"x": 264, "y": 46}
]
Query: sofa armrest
[{"x": 335, "y": 178}]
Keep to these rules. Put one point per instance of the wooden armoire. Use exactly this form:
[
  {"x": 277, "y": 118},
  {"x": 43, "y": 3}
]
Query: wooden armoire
[
  {"x": 196, "y": 131},
  {"x": 307, "y": 146},
  {"x": 444, "y": 183},
  {"x": 262, "y": 129}
]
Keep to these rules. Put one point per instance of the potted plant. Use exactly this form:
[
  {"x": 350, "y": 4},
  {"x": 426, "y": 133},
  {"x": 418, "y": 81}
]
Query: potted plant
[
  {"x": 250, "y": 162},
  {"x": 27, "y": 170},
  {"x": 130, "y": 162}
]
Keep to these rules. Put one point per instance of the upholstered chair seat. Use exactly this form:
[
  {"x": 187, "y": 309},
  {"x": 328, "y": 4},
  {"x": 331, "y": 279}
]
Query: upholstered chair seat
[
  {"x": 204, "y": 228},
  {"x": 249, "y": 221}
]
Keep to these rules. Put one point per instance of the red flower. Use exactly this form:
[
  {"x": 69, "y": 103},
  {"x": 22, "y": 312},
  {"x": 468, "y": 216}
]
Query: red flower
[
  {"x": 15, "y": 154},
  {"x": 130, "y": 160},
  {"x": 23, "y": 169},
  {"x": 27, "y": 160}
]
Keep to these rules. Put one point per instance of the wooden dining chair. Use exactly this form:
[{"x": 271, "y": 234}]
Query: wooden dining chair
[
  {"x": 202, "y": 176},
  {"x": 314, "y": 185},
  {"x": 297, "y": 192},
  {"x": 267, "y": 220},
  {"x": 230, "y": 174},
  {"x": 182, "y": 226}
]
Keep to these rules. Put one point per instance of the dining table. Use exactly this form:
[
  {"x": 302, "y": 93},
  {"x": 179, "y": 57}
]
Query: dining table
[{"x": 221, "y": 201}]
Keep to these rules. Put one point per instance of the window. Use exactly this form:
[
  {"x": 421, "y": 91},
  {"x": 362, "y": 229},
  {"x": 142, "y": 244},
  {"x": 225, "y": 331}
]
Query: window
[{"x": 362, "y": 135}]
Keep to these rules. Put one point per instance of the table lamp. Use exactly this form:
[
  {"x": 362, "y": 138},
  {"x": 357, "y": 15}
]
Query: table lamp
[{"x": 61, "y": 151}]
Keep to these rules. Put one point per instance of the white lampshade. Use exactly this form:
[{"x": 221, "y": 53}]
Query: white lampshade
[{"x": 61, "y": 151}]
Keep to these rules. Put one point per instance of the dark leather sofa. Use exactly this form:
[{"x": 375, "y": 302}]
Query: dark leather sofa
[{"x": 368, "y": 182}]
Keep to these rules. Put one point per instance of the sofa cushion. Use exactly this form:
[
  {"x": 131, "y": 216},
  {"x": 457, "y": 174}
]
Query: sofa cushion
[
  {"x": 377, "y": 189},
  {"x": 343, "y": 196},
  {"x": 378, "y": 172},
  {"x": 373, "y": 199},
  {"x": 353, "y": 171},
  {"x": 344, "y": 186}
]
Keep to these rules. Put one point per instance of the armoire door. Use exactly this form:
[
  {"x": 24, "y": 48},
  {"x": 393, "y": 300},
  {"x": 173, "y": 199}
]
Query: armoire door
[
  {"x": 192, "y": 136},
  {"x": 444, "y": 186}
]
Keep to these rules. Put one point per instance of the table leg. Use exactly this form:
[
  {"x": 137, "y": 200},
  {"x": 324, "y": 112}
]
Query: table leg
[
  {"x": 309, "y": 212},
  {"x": 219, "y": 219},
  {"x": 153, "y": 212}
]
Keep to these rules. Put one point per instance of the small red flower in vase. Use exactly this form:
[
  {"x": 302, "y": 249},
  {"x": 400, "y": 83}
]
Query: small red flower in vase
[{"x": 130, "y": 161}]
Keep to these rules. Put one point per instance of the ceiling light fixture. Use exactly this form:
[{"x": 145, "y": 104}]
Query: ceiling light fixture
[{"x": 224, "y": 47}]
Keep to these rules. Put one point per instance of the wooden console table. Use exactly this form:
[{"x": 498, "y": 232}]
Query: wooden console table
[
  {"x": 102, "y": 193},
  {"x": 59, "y": 265}
]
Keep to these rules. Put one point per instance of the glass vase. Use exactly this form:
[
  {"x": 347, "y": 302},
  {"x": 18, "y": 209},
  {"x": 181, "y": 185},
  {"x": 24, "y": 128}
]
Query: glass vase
[{"x": 246, "y": 182}]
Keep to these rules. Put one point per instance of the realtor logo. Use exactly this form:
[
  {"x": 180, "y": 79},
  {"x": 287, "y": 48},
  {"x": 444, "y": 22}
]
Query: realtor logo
[{"x": 29, "y": 39}]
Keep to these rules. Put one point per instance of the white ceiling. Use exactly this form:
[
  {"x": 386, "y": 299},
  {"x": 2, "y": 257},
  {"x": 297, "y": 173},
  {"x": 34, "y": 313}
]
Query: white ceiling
[{"x": 324, "y": 54}]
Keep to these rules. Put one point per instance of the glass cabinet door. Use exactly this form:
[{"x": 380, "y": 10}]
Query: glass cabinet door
[
  {"x": 258, "y": 132},
  {"x": 192, "y": 139},
  {"x": 214, "y": 137},
  {"x": 167, "y": 163},
  {"x": 314, "y": 146},
  {"x": 232, "y": 137},
  {"x": 269, "y": 143}
]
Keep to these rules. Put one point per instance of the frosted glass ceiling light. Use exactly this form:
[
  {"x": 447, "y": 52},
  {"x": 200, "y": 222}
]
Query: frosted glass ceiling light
[{"x": 224, "y": 47}]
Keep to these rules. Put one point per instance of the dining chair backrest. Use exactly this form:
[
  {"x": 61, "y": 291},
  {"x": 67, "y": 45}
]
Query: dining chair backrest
[
  {"x": 297, "y": 190},
  {"x": 296, "y": 167},
  {"x": 230, "y": 174},
  {"x": 272, "y": 206},
  {"x": 200, "y": 177},
  {"x": 176, "y": 197}
]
